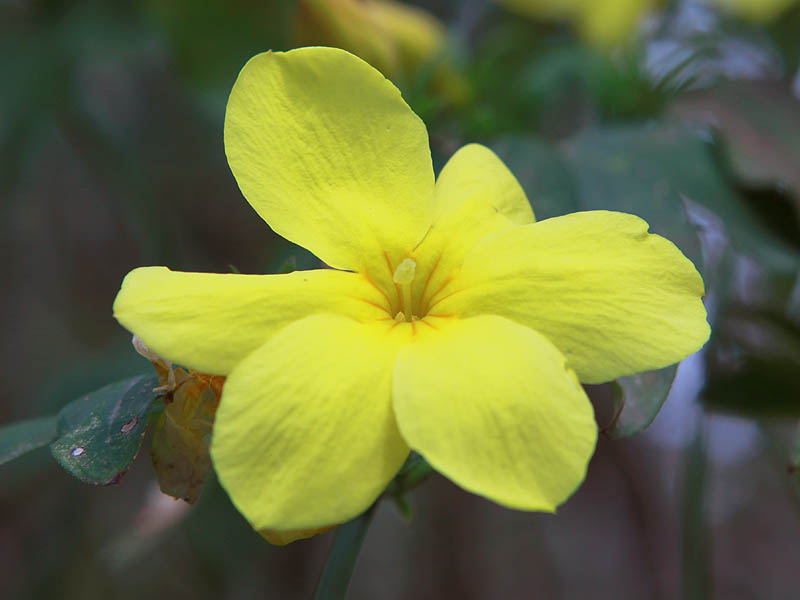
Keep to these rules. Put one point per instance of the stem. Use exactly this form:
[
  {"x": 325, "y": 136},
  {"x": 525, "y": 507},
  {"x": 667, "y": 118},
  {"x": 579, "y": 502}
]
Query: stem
[
  {"x": 696, "y": 536},
  {"x": 338, "y": 570}
]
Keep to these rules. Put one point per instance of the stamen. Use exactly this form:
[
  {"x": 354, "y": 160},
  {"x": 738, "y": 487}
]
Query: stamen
[
  {"x": 404, "y": 277},
  {"x": 400, "y": 317},
  {"x": 404, "y": 274}
]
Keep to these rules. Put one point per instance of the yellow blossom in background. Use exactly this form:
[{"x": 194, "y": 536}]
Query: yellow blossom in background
[
  {"x": 755, "y": 10},
  {"x": 602, "y": 23},
  {"x": 451, "y": 322},
  {"x": 404, "y": 42}
]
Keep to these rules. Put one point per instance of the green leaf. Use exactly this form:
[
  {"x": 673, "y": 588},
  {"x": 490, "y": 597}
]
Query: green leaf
[
  {"x": 650, "y": 170},
  {"x": 19, "y": 438},
  {"x": 634, "y": 169},
  {"x": 644, "y": 171},
  {"x": 755, "y": 388},
  {"x": 288, "y": 266},
  {"x": 759, "y": 123},
  {"x": 783, "y": 33},
  {"x": 546, "y": 177},
  {"x": 101, "y": 433},
  {"x": 286, "y": 257},
  {"x": 752, "y": 364},
  {"x": 637, "y": 400}
]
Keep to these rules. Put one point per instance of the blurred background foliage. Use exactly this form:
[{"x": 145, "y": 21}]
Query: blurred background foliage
[{"x": 683, "y": 112}]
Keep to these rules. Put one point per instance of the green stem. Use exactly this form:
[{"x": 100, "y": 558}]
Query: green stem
[
  {"x": 696, "y": 568},
  {"x": 338, "y": 570}
]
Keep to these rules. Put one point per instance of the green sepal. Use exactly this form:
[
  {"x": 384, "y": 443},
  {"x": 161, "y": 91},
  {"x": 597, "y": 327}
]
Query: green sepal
[
  {"x": 637, "y": 400},
  {"x": 410, "y": 476}
]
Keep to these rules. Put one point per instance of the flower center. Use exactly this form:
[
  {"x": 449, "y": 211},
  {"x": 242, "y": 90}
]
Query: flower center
[{"x": 404, "y": 278}]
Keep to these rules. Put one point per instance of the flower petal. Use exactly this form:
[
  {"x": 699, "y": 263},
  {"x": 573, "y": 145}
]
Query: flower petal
[
  {"x": 210, "y": 322},
  {"x": 327, "y": 152},
  {"x": 613, "y": 298},
  {"x": 475, "y": 176},
  {"x": 281, "y": 538},
  {"x": 476, "y": 195},
  {"x": 305, "y": 436},
  {"x": 491, "y": 405}
]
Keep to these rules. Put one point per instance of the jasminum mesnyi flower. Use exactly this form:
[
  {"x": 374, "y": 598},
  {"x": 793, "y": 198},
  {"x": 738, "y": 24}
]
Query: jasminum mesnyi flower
[{"x": 451, "y": 322}]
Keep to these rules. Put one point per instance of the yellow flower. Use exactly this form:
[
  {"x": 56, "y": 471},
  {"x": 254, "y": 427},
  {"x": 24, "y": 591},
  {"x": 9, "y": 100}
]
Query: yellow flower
[
  {"x": 451, "y": 322},
  {"x": 405, "y": 43},
  {"x": 603, "y": 23}
]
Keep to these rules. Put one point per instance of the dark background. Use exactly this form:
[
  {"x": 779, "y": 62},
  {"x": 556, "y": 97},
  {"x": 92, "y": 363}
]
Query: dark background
[{"x": 111, "y": 121}]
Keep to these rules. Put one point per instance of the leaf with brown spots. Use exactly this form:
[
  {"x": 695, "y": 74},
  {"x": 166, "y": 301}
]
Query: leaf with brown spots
[{"x": 100, "y": 434}]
